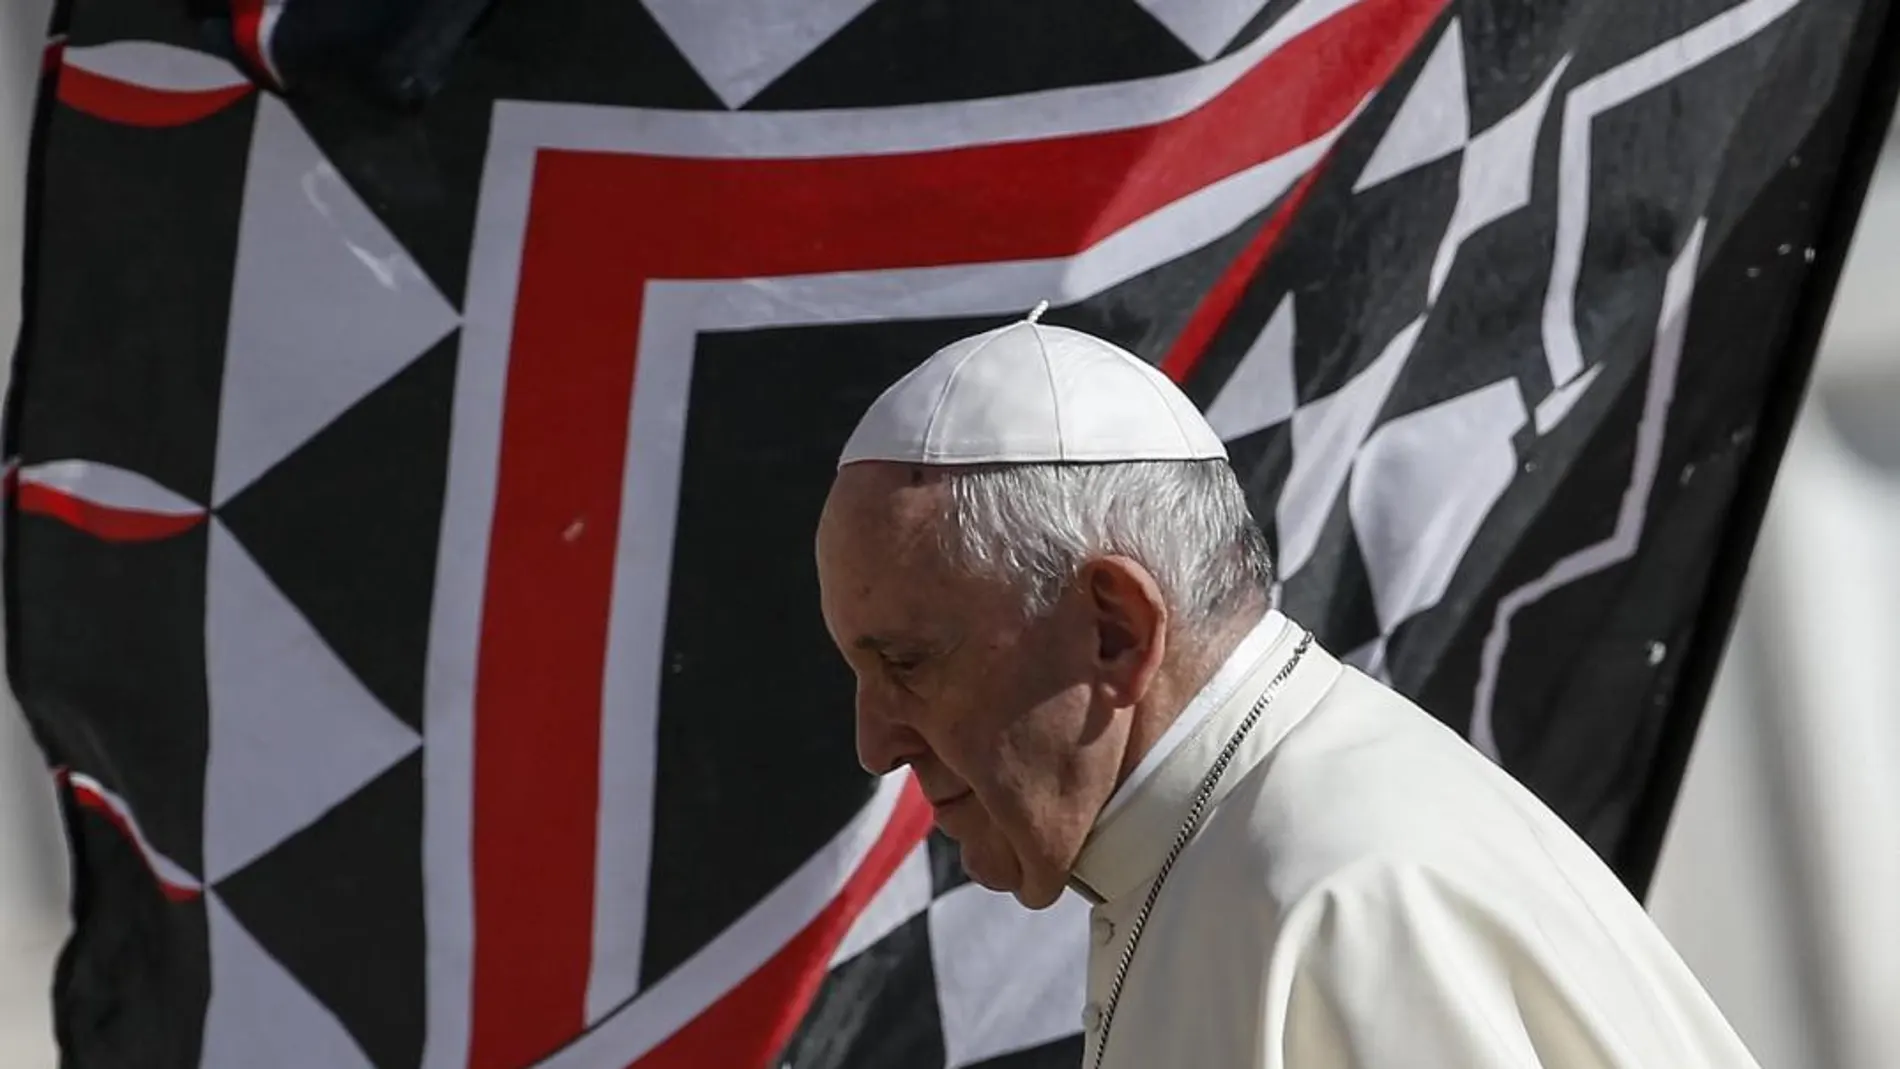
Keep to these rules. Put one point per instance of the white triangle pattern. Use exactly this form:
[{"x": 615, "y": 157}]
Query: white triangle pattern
[
  {"x": 1432, "y": 123},
  {"x": 259, "y": 1014},
  {"x": 293, "y": 732},
  {"x": 1421, "y": 487},
  {"x": 325, "y": 305},
  {"x": 1204, "y": 25},
  {"x": 1326, "y": 436},
  {"x": 993, "y": 999},
  {"x": 1496, "y": 178},
  {"x": 741, "y": 46},
  {"x": 1261, "y": 391}
]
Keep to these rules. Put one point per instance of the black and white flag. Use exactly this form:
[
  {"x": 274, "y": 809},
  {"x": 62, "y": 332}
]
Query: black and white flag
[{"x": 408, "y": 540}]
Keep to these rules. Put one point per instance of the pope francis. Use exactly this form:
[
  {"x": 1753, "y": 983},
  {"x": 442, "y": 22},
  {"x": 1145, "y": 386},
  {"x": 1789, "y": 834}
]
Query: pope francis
[{"x": 1045, "y": 577}]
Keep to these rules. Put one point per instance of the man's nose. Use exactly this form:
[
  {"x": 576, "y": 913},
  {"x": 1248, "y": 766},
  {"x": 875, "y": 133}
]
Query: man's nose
[{"x": 884, "y": 744}]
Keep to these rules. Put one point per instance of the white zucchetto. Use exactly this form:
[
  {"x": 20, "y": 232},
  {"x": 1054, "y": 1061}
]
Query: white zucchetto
[{"x": 1028, "y": 393}]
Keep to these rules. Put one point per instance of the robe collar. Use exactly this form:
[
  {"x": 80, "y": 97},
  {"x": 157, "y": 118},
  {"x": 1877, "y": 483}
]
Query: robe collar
[{"x": 1129, "y": 842}]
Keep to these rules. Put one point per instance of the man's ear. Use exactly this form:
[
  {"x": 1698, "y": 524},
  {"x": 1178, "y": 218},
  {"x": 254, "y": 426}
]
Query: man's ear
[{"x": 1131, "y": 624}]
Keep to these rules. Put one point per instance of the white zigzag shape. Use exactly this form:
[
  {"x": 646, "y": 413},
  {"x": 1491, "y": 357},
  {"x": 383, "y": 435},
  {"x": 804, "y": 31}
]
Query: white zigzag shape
[
  {"x": 1562, "y": 347},
  {"x": 1621, "y": 544}
]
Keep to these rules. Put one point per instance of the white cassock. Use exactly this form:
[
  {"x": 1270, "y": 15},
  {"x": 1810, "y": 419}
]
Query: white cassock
[{"x": 1365, "y": 890}]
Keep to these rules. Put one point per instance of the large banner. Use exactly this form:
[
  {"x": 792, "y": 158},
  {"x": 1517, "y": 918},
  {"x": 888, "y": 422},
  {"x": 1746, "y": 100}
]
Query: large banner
[{"x": 416, "y": 448}]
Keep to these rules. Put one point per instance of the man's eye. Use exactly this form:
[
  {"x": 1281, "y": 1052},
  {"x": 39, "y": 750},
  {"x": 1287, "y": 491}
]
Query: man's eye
[{"x": 902, "y": 666}]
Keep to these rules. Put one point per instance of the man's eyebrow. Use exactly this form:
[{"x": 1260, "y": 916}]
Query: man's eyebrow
[{"x": 914, "y": 645}]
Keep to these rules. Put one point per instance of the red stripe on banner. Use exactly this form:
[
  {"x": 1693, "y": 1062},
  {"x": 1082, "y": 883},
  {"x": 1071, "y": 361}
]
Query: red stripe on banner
[
  {"x": 90, "y": 798},
  {"x": 247, "y": 25},
  {"x": 756, "y": 1018},
  {"x": 599, "y": 227},
  {"x": 136, "y": 105},
  {"x": 543, "y": 652},
  {"x": 108, "y": 522},
  {"x": 52, "y": 54},
  {"x": 1221, "y": 297},
  {"x": 1024, "y": 200}
]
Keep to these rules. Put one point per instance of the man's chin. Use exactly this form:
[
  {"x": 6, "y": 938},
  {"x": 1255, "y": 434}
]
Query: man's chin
[
  {"x": 985, "y": 873},
  {"x": 1038, "y": 898},
  {"x": 1031, "y": 894}
]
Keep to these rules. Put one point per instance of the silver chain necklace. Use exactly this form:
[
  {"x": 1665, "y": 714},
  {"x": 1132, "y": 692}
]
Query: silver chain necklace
[{"x": 1188, "y": 827}]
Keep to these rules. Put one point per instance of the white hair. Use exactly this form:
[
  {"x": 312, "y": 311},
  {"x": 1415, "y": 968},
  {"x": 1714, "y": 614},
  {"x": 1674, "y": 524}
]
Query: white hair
[{"x": 1033, "y": 526}]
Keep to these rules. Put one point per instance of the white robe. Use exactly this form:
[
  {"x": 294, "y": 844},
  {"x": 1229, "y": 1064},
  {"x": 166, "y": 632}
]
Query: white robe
[{"x": 1368, "y": 891}]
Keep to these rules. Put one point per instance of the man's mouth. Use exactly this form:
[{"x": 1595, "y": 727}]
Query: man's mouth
[{"x": 944, "y": 805}]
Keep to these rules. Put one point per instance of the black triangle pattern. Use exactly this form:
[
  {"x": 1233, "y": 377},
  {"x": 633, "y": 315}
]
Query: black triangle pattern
[
  {"x": 611, "y": 53},
  {"x": 1262, "y": 21},
  {"x": 1331, "y": 593},
  {"x": 946, "y": 864},
  {"x": 893, "y": 1026},
  {"x": 1263, "y": 460},
  {"x": 346, "y": 526},
  {"x": 922, "y": 51},
  {"x": 339, "y": 905}
]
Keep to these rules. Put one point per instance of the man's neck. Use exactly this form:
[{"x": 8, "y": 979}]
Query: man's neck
[{"x": 1199, "y": 659}]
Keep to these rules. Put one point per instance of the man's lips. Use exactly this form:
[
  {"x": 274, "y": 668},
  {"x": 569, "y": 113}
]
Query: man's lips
[
  {"x": 942, "y": 804},
  {"x": 944, "y": 812}
]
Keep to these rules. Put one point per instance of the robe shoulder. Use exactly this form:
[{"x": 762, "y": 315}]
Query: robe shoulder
[
  {"x": 1368, "y": 782},
  {"x": 1402, "y": 964},
  {"x": 1419, "y": 907}
]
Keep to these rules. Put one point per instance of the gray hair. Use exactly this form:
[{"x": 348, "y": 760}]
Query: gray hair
[{"x": 1033, "y": 526}]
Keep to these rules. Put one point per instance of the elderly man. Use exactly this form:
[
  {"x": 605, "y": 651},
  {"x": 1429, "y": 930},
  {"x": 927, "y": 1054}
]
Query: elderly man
[{"x": 1044, "y": 574}]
